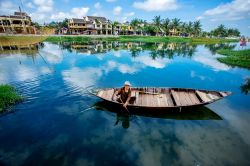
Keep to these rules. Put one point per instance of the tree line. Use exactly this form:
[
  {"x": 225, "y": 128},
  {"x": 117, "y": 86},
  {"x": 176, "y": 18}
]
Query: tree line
[{"x": 166, "y": 26}]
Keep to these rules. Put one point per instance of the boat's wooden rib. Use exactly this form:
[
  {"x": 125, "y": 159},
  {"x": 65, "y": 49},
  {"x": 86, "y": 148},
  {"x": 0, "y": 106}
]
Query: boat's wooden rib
[
  {"x": 176, "y": 98},
  {"x": 203, "y": 96},
  {"x": 165, "y": 97}
]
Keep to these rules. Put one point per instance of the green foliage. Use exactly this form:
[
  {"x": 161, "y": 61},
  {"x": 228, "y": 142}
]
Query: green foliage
[
  {"x": 149, "y": 39},
  {"x": 157, "y": 24},
  {"x": 8, "y": 97},
  {"x": 37, "y": 25},
  {"x": 197, "y": 28},
  {"x": 239, "y": 58},
  {"x": 222, "y": 31}
]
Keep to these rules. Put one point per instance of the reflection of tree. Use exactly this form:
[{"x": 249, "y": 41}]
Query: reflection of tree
[
  {"x": 168, "y": 50},
  {"x": 245, "y": 88},
  {"x": 156, "y": 50},
  {"x": 214, "y": 47},
  {"x": 134, "y": 51}
]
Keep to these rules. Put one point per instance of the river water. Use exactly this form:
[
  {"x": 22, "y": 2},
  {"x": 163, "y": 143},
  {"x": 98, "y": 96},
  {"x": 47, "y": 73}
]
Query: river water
[{"x": 59, "y": 123}]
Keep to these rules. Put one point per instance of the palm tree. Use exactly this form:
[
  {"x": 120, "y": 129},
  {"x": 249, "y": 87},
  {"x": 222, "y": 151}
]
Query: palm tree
[
  {"x": 233, "y": 32},
  {"x": 157, "y": 22},
  {"x": 114, "y": 24},
  {"x": 197, "y": 27},
  {"x": 134, "y": 24},
  {"x": 183, "y": 28},
  {"x": 190, "y": 28},
  {"x": 175, "y": 23},
  {"x": 166, "y": 25},
  {"x": 124, "y": 28}
]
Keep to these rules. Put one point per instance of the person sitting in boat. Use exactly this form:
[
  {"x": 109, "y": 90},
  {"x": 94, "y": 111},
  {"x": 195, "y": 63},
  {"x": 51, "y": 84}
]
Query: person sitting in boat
[{"x": 125, "y": 94}]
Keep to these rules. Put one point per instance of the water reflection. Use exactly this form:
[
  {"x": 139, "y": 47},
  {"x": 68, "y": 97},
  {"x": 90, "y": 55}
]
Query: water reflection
[
  {"x": 50, "y": 128},
  {"x": 245, "y": 87},
  {"x": 202, "y": 113},
  {"x": 213, "y": 48},
  {"x": 156, "y": 49}
]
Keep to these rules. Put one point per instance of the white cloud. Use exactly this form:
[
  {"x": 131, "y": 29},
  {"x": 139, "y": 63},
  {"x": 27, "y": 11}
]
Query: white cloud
[
  {"x": 117, "y": 10},
  {"x": 74, "y": 13},
  {"x": 38, "y": 16},
  {"x": 124, "y": 19},
  {"x": 156, "y": 5},
  {"x": 80, "y": 12},
  {"x": 44, "y": 6},
  {"x": 46, "y": 12},
  {"x": 60, "y": 16},
  {"x": 129, "y": 14},
  {"x": 199, "y": 18},
  {"x": 98, "y": 5},
  {"x": 7, "y": 7},
  {"x": 110, "y": 0},
  {"x": 235, "y": 10},
  {"x": 30, "y": 5}
]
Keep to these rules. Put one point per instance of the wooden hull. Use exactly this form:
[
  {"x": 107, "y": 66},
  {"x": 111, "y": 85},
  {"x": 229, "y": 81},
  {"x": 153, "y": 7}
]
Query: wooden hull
[
  {"x": 163, "y": 98},
  {"x": 194, "y": 113}
]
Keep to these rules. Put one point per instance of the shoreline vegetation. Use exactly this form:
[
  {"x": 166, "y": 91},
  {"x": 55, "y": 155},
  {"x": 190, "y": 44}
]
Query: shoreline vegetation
[
  {"x": 239, "y": 58},
  {"x": 9, "y": 40},
  {"x": 147, "y": 39},
  {"x": 8, "y": 97}
]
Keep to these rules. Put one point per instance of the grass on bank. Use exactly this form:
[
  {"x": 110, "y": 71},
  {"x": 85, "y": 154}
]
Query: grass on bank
[
  {"x": 8, "y": 97},
  {"x": 239, "y": 58},
  {"x": 149, "y": 39},
  {"x": 32, "y": 39}
]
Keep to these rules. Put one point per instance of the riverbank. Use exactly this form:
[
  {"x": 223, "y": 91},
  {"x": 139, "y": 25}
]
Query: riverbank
[
  {"x": 16, "y": 40},
  {"x": 8, "y": 97},
  {"x": 239, "y": 58},
  {"x": 8, "y": 40},
  {"x": 148, "y": 39}
]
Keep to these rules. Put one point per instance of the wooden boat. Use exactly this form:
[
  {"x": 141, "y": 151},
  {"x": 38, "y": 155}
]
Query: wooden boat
[{"x": 163, "y": 98}]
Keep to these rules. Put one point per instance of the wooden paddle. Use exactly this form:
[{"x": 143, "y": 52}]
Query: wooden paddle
[{"x": 123, "y": 104}]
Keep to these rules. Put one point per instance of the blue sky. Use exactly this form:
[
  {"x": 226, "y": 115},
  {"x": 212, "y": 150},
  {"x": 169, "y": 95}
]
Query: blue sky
[{"x": 211, "y": 13}]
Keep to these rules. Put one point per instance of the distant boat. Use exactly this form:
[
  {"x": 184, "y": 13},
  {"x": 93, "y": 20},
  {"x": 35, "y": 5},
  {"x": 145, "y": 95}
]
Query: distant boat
[
  {"x": 163, "y": 98},
  {"x": 243, "y": 42}
]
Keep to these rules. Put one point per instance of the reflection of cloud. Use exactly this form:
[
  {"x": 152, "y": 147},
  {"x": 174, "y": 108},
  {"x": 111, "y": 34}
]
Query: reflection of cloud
[
  {"x": 124, "y": 68},
  {"x": 82, "y": 77},
  {"x": 52, "y": 58},
  {"x": 117, "y": 53},
  {"x": 238, "y": 120},
  {"x": 89, "y": 76},
  {"x": 45, "y": 70},
  {"x": 148, "y": 61},
  {"x": 23, "y": 73},
  {"x": 212, "y": 62},
  {"x": 204, "y": 56},
  {"x": 52, "y": 53},
  {"x": 193, "y": 74}
]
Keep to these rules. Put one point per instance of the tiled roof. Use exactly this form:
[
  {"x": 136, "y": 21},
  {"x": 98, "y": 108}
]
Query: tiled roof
[
  {"x": 78, "y": 20},
  {"x": 101, "y": 19}
]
